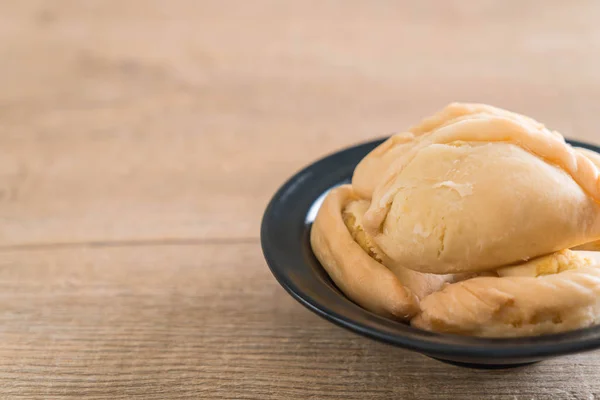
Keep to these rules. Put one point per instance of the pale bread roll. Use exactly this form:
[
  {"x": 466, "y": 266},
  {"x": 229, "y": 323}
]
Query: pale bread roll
[
  {"x": 363, "y": 279},
  {"x": 481, "y": 191},
  {"x": 468, "y": 196},
  {"x": 518, "y": 305}
]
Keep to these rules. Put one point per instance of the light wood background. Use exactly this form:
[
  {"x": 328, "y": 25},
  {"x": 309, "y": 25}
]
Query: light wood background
[{"x": 141, "y": 140}]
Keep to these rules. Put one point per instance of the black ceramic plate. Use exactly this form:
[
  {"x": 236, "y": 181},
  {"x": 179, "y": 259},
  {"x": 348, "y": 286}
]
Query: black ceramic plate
[{"x": 285, "y": 241}]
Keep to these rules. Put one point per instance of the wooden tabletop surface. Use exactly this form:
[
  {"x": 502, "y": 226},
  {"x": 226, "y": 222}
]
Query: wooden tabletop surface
[{"x": 141, "y": 140}]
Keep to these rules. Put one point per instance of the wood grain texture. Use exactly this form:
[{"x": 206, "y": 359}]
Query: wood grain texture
[
  {"x": 141, "y": 140},
  {"x": 193, "y": 321}
]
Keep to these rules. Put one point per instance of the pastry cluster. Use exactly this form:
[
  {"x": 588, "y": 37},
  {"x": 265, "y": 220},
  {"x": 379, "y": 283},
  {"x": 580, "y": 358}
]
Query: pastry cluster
[{"x": 464, "y": 224}]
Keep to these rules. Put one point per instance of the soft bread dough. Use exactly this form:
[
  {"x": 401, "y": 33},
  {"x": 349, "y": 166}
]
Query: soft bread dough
[
  {"x": 481, "y": 204},
  {"x": 474, "y": 207},
  {"x": 376, "y": 163},
  {"x": 551, "y": 264},
  {"x": 592, "y": 155},
  {"x": 515, "y": 305},
  {"x": 418, "y": 283},
  {"x": 479, "y": 191},
  {"x": 595, "y": 158},
  {"x": 360, "y": 277}
]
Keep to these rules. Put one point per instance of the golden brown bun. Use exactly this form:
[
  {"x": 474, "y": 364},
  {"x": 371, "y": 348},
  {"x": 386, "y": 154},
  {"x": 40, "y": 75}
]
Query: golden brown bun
[
  {"x": 485, "y": 189},
  {"x": 360, "y": 277},
  {"x": 523, "y": 304},
  {"x": 551, "y": 264},
  {"x": 462, "y": 224},
  {"x": 375, "y": 164},
  {"x": 418, "y": 283},
  {"x": 595, "y": 158}
]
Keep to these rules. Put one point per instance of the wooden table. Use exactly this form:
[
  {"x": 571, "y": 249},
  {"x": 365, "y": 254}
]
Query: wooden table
[{"x": 141, "y": 140}]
